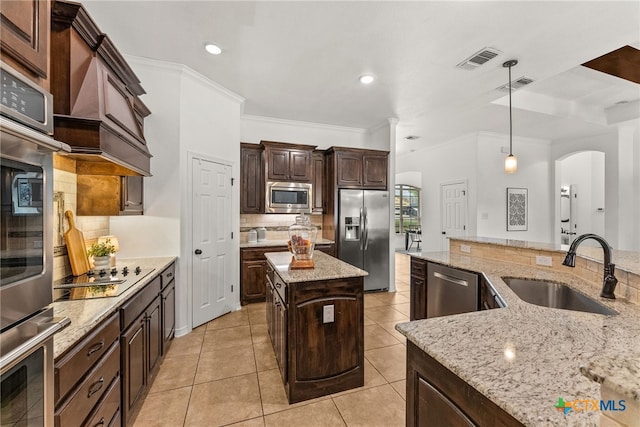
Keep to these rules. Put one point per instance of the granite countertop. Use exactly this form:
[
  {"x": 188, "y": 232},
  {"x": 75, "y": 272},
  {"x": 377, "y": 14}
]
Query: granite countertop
[
  {"x": 524, "y": 357},
  {"x": 86, "y": 314},
  {"x": 268, "y": 243},
  {"x": 326, "y": 268}
]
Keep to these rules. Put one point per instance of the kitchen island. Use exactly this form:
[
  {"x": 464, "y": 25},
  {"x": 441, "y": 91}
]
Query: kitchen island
[
  {"x": 315, "y": 319},
  {"x": 524, "y": 359}
]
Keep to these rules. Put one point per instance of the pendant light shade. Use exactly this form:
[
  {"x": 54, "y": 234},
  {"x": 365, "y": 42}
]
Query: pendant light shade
[{"x": 511, "y": 162}]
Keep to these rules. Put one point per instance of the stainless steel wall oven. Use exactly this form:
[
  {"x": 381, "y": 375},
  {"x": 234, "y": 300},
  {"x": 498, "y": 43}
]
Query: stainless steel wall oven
[{"x": 27, "y": 324}]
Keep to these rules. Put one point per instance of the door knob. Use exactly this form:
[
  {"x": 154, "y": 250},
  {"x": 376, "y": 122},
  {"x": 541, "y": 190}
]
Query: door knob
[{"x": 198, "y": 252}]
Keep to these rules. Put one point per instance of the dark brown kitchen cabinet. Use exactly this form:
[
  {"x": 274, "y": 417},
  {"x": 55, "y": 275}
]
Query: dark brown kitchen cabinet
[
  {"x": 436, "y": 396},
  {"x": 132, "y": 197},
  {"x": 357, "y": 168},
  {"x": 141, "y": 341},
  {"x": 316, "y": 357},
  {"x": 253, "y": 269},
  {"x": 418, "y": 295},
  {"x": 318, "y": 181},
  {"x": 251, "y": 179},
  {"x": 277, "y": 320},
  {"x": 168, "y": 296},
  {"x": 287, "y": 162},
  {"x": 86, "y": 377},
  {"x": 24, "y": 36}
]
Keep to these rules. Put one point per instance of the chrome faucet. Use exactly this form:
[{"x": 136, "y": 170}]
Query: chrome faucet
[{"x": 609, "y": 282}]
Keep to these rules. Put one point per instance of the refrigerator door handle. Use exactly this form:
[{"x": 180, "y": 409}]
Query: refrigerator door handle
[
  {"x": 361, "y": 229},
  {"x": 366, "y": 230}
]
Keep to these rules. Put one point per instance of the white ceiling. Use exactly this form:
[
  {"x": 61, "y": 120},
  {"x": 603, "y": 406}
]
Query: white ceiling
[{"x": 300, "y": 60}]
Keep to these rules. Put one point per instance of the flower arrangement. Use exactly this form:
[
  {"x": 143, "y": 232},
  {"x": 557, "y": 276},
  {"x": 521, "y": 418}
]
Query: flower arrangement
[{"x": 101, "y": 249}]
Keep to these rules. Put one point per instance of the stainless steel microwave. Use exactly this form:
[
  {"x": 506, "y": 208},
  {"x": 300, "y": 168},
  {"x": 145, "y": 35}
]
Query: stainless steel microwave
[{"x": 288, "y": 197}]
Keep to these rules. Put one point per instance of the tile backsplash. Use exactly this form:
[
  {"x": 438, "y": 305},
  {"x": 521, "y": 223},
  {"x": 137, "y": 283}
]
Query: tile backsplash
[
  {"x": 277, "y": 225},
  {"x": 65, "y": 182},
  {"x": 587, "y": 269}
]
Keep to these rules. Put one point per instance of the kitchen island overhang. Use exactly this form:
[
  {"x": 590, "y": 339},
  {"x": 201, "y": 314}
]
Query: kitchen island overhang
[{"x": 315, "y": 320}]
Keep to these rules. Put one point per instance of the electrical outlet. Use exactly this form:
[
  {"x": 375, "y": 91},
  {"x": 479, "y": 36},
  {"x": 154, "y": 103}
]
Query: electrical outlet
[
  {"x": 543, "y": 260},
  {"x": 328, "y": 314},
  {"x": 465, "y": 248}
]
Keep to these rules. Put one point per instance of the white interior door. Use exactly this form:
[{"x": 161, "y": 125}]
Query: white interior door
[
  {"x": 454, "y": 211},
  {"x": 211, "y": 252}
]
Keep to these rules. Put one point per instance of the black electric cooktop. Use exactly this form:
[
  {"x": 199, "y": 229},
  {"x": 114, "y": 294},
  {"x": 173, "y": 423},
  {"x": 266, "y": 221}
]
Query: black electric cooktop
[{"x": 98, "y": 284}]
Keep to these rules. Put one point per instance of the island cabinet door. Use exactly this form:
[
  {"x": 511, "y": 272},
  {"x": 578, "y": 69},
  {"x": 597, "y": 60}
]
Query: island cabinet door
[
  {"x": 327, "y": 339},
  {"x": 438, "y": 397}
]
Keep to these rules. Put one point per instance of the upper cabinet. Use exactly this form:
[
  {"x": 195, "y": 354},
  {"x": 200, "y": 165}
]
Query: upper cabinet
[
  {"x": 251, "y": 179},
  {"x": 24, "y": 37},
  {"x": 97, "y": 109},
  {"x": 288, "y": 162},
  {"x": 318, "y": 181},
  {"x": 357, "y": 168}
]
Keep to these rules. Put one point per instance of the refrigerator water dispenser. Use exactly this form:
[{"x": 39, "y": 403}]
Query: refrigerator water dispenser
[{"x": 352, "y": 228}]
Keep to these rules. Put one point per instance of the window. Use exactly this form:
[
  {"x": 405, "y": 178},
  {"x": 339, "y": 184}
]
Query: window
[{"x": 407, "y": 208}]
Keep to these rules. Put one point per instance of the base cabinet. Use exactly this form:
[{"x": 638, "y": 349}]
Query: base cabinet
[
  {"x": 253, "y": 270},
  {"x": 436, "y": 396},
  {"x": 317, "y": 354},
  {"x": 87, "y": 377},
  {"x": 141, "y": 350}
]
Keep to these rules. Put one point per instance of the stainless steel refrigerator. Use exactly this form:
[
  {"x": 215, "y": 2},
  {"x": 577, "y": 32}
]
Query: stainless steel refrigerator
[{"x": 363, "y": 234}]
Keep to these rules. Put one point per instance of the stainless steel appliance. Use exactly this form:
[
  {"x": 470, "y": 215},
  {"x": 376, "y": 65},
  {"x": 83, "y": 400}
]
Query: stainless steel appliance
[
  {"x": 27, "y": 324},
  {"x": 26, "y": 371},
  {"x": 288, "y": 197},
  {"x": 363, "y": 234},
  {"x": 450, "y": 291},
  {"x": 101, "y": 284}
]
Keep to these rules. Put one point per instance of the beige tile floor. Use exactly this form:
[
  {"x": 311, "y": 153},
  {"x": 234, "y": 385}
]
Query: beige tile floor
[{"x": 225, "y": 373}]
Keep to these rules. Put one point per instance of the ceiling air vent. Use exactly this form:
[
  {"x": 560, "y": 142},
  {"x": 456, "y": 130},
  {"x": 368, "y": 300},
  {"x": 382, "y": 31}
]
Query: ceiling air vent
[
  {"x": 479, "y": 58},
  {"x": 517, "y": 84}
]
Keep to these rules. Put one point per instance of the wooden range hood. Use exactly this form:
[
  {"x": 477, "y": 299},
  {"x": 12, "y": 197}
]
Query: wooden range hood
[{"x": 97, "y": 109}]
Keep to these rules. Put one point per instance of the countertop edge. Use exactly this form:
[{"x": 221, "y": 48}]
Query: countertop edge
[{"x": 87, "y": 314}]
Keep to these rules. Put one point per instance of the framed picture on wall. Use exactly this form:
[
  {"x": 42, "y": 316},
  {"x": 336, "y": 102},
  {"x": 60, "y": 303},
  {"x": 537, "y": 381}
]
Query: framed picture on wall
[{"x": 517, "y": 217}]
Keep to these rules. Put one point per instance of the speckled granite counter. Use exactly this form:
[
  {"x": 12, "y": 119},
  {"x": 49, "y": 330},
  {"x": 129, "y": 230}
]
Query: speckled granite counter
[
  {"x": 277, "y": 243},
  {"x": 86, "y": 314},
  {"x": 326, "y": 268},
  {"x": 524, "y": 357}
]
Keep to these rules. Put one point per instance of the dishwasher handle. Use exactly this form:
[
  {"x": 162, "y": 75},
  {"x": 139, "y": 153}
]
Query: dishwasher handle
[{"x": 450, "y": 279}]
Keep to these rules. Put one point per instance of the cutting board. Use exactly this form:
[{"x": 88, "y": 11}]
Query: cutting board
[{"x": 76, "y": 247}]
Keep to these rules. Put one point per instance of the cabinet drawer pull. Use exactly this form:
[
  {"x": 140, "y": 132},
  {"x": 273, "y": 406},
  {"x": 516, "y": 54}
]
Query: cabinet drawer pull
[
  {"x": 169, "y": 274},
  {"x": 95, "y": 387},
  {"x": 99, "y": 423},
  {"x": 95, "y": 347},
  {"x": 278, "y": 285}
]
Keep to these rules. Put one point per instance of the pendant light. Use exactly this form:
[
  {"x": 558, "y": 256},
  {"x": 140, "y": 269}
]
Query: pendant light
[{"x": 511, "y": 162}]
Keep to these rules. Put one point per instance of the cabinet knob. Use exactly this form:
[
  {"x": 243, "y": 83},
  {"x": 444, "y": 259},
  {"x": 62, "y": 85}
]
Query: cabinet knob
[{"x": 198, "y": 251}]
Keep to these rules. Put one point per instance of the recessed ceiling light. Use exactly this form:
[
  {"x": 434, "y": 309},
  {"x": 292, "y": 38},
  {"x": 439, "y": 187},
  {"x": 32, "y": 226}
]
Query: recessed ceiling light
[
  {"x": 366, "y": 79},
  {"x": 212, "y": 48}
]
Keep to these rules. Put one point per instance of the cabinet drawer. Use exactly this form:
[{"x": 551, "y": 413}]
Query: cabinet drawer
[
  {"x": 75, "y": 410},
  {"x": 280, "y": 287},
  {"x": 132, "y": 309},
  {"x": 418, "y": 267},
  {"x": 247, "y": 254},
  {"x": 168, "y": 275},
  {"x": 75, "y": 364},
  {"x": 107, "y": 412}
]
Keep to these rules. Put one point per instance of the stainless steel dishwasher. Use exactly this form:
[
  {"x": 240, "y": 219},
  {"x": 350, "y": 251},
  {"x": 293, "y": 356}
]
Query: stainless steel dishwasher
[{"x": 450, "y": 291}]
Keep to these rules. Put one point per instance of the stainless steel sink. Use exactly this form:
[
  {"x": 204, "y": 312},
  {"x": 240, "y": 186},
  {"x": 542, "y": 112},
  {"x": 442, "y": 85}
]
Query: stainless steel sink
[{"x": 554, "y": 295}]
